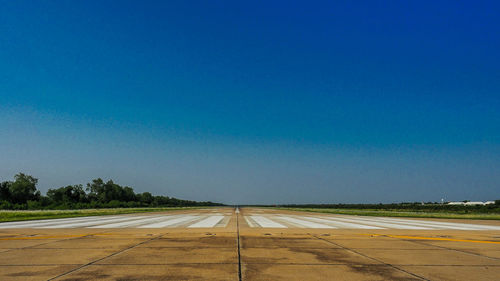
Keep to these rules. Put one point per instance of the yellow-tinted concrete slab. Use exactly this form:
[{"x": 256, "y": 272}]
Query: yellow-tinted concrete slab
[
  {"x": 201, "y": 242},
  {"x": 302, "y": 256},
  {"x": 487, "y": 253},
  {"x": 377, "y": 243},
  {"x": 484, "y": 249},
  {"x": 32, "y": 273},
  {"x": 56, "y": 233},
  {"x": 17, "y": 244},
  {"x": 257, "y": 272},
  {"x": 456, "y": 273},
  {"x": 463, "y": 245},
  {"x": 174, "y": 256},
  {"x": 127, "y": 233},
  {"x": 156, "y": 272},
  {"x": 52, "y": 256},
  {"x": 427, "y": 257},
  {"x": 9, "y": 233},
  {"x": 304, "y": 241},
  {"x": 92, "y": 243}
]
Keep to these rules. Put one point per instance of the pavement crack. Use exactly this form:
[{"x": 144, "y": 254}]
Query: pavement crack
[
  {"x": 108, "y": 256},
  {"x": 50, "y": 242}
]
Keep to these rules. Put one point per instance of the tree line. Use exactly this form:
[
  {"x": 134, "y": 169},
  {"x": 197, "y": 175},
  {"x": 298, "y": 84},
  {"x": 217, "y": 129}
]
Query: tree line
[{"x": 22, "y": 194}]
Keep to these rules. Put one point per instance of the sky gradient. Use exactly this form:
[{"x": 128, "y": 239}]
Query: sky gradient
[{"x": 247, "y": 103}]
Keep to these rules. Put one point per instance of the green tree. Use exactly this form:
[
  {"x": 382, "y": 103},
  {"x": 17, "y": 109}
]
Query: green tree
[
  {"x": 105, "y": 192},
  {"x": 128, "y": 194},
  {"x": 96, "y": 189},
  {"x": 23, "y": 189},
  {"x": 146, "y": 198},
  {"x": 4, "y": 191},
  {"x": 68, "y": 194}
]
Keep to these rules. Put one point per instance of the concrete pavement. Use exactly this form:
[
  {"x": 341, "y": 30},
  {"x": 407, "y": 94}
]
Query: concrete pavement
[{"x": 273, "y": 245}]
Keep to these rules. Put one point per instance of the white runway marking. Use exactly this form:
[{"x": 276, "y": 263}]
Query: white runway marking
[
  {"x": 356, "y": 222},
  {"x": 37, "y": 223},
  {"x": 444, "y": 225},
  {"x": 249, "y": 222},
  {"x": 128, "y": 223},
  {"x": 305, "y": 223},
  {"x": 340, "y": 224},
  {"x": 89, "y": 223},
  {"x": 218, "y": 219},
  {"x": 383, "y": 224},
  {"x": 265, "y": 222},
  {"x": 158, "y": 221},
  {"x": 424, "y": 224},
  {"x": 208, "y": 222},
  {"x": 170, "y": 222}
]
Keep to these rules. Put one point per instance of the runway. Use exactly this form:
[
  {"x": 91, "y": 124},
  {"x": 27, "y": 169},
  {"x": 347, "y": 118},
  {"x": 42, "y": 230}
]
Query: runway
[
  {"x": 254, "y": 244},
  {"x": 257, "y": 219},
  {"x": 355, "y": 222}
]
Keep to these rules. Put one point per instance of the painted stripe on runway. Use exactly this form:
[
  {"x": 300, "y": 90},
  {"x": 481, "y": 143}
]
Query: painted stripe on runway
[
  {"x": 41, "y": 221},
  {"x": 220, "y": 219},
  {"x": 356, "y": 222},
  {"x": 304, "y": 223},
  {"x": 333, "y": 222},
  {"x": 448, "y": 225},
  {"x": 208, "y": 222},
  {"x": 216, "y": 220},
  {"x": 425, "y": 224},
  {"x": 265, "y": 222},
  {"x": 431, "y": 224},
  {"x": 340, "y": 224},
  {"x": 249, "y": 222},
  {"x": 383, "y": 224},
  {"x": 36, "y": 223},
  {"x": 224, "y": 222},
  {"x": 129, "y": 223},
  {"x": 460, "y": 225},
  {"x": 88, "y": 223},
  {"x": 170, "y": 222}
]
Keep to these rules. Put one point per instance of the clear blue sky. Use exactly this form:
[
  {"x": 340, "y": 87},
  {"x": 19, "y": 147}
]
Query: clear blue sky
[{"x": 269, "y": 102}]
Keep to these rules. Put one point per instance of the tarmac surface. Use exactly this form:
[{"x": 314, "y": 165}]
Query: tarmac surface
[{"x": 251, "y": 244}]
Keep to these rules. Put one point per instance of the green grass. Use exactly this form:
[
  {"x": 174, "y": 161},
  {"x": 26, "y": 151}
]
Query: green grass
[
  {"x": 7, "y": 215},
  {"x": 400, "y": 213}
]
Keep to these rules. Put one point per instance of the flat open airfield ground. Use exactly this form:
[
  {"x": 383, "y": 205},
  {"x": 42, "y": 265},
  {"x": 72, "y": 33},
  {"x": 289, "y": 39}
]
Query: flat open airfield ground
[{"x": 254, "y": 244}]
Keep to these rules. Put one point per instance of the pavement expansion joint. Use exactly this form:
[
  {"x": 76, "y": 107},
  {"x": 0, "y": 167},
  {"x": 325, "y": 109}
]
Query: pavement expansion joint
[
  {"x": 239, "y": 250},
  {"x": 377, "y": 260},
  {"x": 450, "y": 249},
  {"x": 46, "y": 243},
  {"x": 47, "y": 264},
  {"x": 158, "y": 264},
  {"x": 101, "y": 259}
]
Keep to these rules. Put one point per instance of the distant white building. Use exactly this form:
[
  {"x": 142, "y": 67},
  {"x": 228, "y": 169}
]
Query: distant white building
[
  {"x": 471, "y": 203},
  {"x": 474, "y": 203},
  {"x": 456, "y": 203}
]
